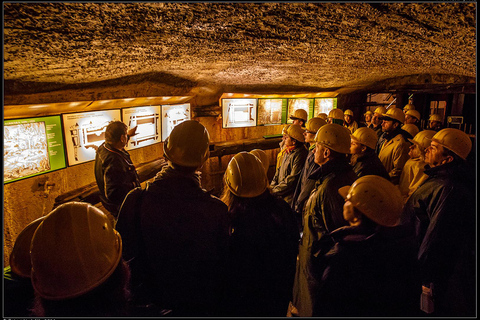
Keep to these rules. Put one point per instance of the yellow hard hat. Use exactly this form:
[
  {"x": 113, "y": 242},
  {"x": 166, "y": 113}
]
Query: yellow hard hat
[
  {"x": 245, "y": 176},
  {"x": 409, "y": 106},
  {"x": 260, "y": 154},
  {"x": 348, "y": 112},
  {"x": 335, "y": 137},
  {"x": 336, "y": 114},
  {"x": 435, "y": 117},
  {"x": 299, "y": 114},
  {"x": 380, "y": 110},
  {"x": 395, "y": 114},
  {"x": 366, "y": 136},
  {"x": 414, "y": 113},
  {"x": 285, "y": 128},
  {"x": 375, "y": 197},
  {"x": 368, "y": 112},
  {"x": 322, "y": 115},
  {"x": 455, "y": 140},
  {"x": 423, "y": 138},
  {"x": 296, "y": 132},
  {"x": 20, "y": 256},
  {"x": 314, "y": 124},
  {"x": 411, "y": 128},
  {"x": 188, "y": 144},
  {"x": 74, "y": 250}
]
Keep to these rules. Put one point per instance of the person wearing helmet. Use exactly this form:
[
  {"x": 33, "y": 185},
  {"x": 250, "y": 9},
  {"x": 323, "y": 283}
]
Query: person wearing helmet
[
  {"x": 323, "y": 116},
  {"x": 282, "y": 147},
  {"x": 408, "y": 106},
  {"x": 336, "y": 116},
  {"x": 299, "y": 117},
  {"x": 286, "y": 177},
  {"x": 442, "y": 213},
  {"x": 115, "y": 173},
  {"x": 412, "y": 174},
  {"x": 363, "y": 158},
  {"x": 376, "y": 122},
  {"x": 413, "y": 117},
  {"x": 349, "y": 123},
  {"x": 263, "y": 242},
  {"x": 306, "y": 185},
  {"x": 368, "y": 119},
  {"x": 177, "y": 231},
  {"x": 392, "y": 147},
  {"x": 435, "y": 122},
  {"x": 411, "y": 129},
  {"x": 323, "y": 209},
  {"x": 18, "y": 291},
  {"x": 77, "y": 268},
  {"x": 370, "y": 263}
]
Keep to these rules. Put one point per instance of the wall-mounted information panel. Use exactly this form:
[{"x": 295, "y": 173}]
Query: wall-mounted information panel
[
  {"x": 173, "y": 115},
  {"x": 147, "y": 121},
  {"x": 271, "y": 111},
  {"x": 237, "y": 113},
  {"x": 324, "y": 105},
  {"x": 300, "y": 103},
  {"x": 32, "y": 146},
  {"x": 85, "y": 132}
]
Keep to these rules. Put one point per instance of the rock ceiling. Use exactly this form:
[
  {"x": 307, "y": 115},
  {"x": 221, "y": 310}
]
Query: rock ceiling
[{"x": 240, "y": 46}]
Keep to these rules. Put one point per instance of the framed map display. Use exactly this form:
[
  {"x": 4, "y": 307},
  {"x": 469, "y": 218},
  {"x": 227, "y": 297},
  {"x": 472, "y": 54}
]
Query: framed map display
[
  {"x": 237, "y": 113},
  {"x": 173, "y": 115},
  {"x": 147, "y": 121}
]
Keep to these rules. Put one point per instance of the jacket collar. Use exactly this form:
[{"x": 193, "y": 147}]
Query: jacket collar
[{"x": 340, "y": 164}]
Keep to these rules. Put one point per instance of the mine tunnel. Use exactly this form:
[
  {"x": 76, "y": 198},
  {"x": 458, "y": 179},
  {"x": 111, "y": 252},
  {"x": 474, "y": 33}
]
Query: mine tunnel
[{"x": 240, "y": 69}]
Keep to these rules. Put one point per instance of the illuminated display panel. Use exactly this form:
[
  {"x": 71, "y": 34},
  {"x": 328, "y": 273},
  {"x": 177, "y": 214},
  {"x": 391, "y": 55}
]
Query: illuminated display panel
[
  {"x": 147, "y": 120},
  {"x": 85, "y": 132},
  {"x": 294, "y": 104},
  {"x": 271, "y": 111},
  {"x": 237, "y": 113},
  {"x": 173, "y": 115},
  {"x": 31, "y": 147},
  {"x": 324, "y": 105}
]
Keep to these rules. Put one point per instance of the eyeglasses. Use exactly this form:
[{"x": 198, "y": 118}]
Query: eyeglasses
[{"x": 311, "y": 132}]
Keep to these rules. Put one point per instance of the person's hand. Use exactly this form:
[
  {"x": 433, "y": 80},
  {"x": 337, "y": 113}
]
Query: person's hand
[{"x": 131, "y": 132}]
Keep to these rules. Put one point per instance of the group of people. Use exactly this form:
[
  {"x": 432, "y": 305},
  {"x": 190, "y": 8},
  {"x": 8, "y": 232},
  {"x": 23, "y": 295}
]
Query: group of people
[{"x": 330, "y": 235}]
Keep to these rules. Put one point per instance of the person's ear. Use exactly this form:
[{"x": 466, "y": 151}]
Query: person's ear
[
  {"x": 447, "y": 159},
  {"x": 326, "y": 153}
]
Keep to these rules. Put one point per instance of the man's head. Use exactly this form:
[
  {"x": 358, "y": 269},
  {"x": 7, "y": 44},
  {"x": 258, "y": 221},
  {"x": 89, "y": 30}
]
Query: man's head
[
  {"x": 447, "y": 145},
  {"x": 362, "y": 139},
  {"x": 412, "y": 117},
  {"x": 332, "y": 142},
  {"x": 392, "y": 119},
  {"x": 348, "y": 116},
  {"x": 368, "y": 116},
  {"x": 299, "y": 117},
  {"x": 294, "y": 136},
  {"x": 335, "y": 116},
  {"x": 435, "y": 122},
  {"x": 116, "y": 134},
  {"x": 312, "y": 127},
  {"x": 377, "y": 115},
  {"x": 420, "y": 143}
]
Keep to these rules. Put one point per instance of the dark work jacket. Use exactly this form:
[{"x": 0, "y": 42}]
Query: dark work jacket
[
  {"x": 304, "y": 187},
  {"x": 263, "y": 253},
  {"x": 442, "y": 210},
  {"x": 115, "y": 175},
  {"x": 365, "y": 272},
  {"x": 368, "y": 164},
  {"x": 378, "y": 130},
  {"x": 183, "y": 232},
  {"x": 286, "y": 177},
  {"x": 323, "y": 214},
  {"x": 18, "y": 295}
]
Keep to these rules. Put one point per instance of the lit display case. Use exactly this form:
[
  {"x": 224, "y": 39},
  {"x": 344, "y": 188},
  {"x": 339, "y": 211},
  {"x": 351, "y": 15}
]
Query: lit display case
[
  {"x": 299, "y": 103},
  {"x": 173, "y": 115},
  {"x": 31, "y": 147},
  {"x": 85, "y": 132},
  {"x": 147, "y": 121},
  {"x": 271, "y": 111},
  {"x": 237, "y": 113},
  {"x": 324, "y": 105}
]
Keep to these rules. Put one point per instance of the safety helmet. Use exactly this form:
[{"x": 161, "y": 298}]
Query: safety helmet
[
  {"x": 375, "y": 197},
  {"x": 365, "y": 136},
  {"x": 380, "y": 110},
  {"x": 262, "y": 155},
  {"x": 74, "y": 250},
  {"x": 435, "y": 117},
  {"x": 299, "y": 114},
  {"x": 411, "y": 128},
  {"x": 285, "y": 128},
  {"x": 245, "y": 175},
  {"x": 408, "y": 106},
  {"x": 455, "y": 140},
  {"x": 314, "y": 124},
  {"x": 348, "y": 112},
  {"x": 335, "y": 137},
  {"x": 336, "y": 114},
  {"x": 20, "y": 256},
  {"x": 368, "y": 112},
  {"x": 322, "y": 115},
  {"x": 296, "y": 132},
  {"x": 413, "y": 113},
  {"x": 394, "y": 114},
  {"x": 188, "y": 144},
  {"x": 423, "y": 138}
]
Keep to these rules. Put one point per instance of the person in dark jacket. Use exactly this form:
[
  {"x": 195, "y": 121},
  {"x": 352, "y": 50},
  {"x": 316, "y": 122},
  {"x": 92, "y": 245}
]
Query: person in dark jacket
[
  {"x": 263, "y": 242},
  {"x": 286, "y": 177},
  {"x": 114, "y": 171},
  {"x": 305, "y": 185},
  {"x": 368, "y": 268},
  {"x": 176, "y": 232},
  {"x": 376, "y": 122},
  {"x": 323, "y": 209},
  {"x": 442, "y": 210},
  {"x": 363, "y": 157}
]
